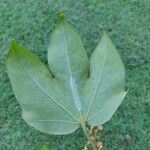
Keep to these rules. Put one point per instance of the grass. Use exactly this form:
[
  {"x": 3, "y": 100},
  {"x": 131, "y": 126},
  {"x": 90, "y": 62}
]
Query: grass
[{"x": 127, "y": 23}]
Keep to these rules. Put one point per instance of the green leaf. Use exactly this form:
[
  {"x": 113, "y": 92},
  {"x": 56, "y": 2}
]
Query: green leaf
[
  {"x": 43, "y": 101},
  {"x": 73, "y": 90},
  {"x": 104, "y": 90},
  {"x": 68, "y": 61}
]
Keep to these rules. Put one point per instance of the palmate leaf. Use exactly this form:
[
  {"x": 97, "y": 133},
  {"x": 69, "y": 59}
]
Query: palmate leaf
[{"x": 73, "y": 91}]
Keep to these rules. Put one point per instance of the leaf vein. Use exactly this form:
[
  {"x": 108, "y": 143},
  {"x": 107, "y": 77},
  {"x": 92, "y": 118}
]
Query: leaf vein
[
  {"x": 73, "y": 88},
  {"x": 48, "y": 94},
  {"x": 64, "y": 121},
  {"x": 99, "y": 83}
]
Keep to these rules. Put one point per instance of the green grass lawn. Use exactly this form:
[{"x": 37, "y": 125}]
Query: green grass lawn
[{"x": 127, "y": 23}]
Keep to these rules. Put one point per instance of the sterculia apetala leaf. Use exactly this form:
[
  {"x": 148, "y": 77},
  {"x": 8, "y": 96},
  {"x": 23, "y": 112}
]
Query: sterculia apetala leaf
[{"x": 74, "y": 90}]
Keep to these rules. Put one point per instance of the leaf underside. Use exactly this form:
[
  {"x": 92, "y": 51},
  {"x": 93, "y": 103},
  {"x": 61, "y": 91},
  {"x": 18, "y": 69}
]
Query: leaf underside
[{"x": 79, "y": 91}]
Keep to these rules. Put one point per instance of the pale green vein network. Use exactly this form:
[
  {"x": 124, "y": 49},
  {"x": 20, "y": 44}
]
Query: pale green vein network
[
  {"x": 48, "y": 95},
  {"x": 99, "y": 82},
  {"x": 104, "y": 109},
  {"x": 72, "y": 81}
]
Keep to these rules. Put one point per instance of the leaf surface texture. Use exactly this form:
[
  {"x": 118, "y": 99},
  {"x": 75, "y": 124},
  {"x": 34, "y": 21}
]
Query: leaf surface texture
[{"x": 73, "y": 90}]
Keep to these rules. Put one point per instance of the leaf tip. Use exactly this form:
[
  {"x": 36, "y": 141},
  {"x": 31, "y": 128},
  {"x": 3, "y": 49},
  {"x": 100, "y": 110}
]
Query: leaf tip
[
  {"x": 62, "y": 16},
  {"x": 101, "y": 27},
  {"x": 12, "y": 48}
]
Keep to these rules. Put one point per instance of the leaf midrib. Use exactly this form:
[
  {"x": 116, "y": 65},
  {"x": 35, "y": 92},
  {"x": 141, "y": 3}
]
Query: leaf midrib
[
  {"x": 66, "y": 51},
  {"x": 70, "y": 71},
  {"x": 99, "y": 83}
]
